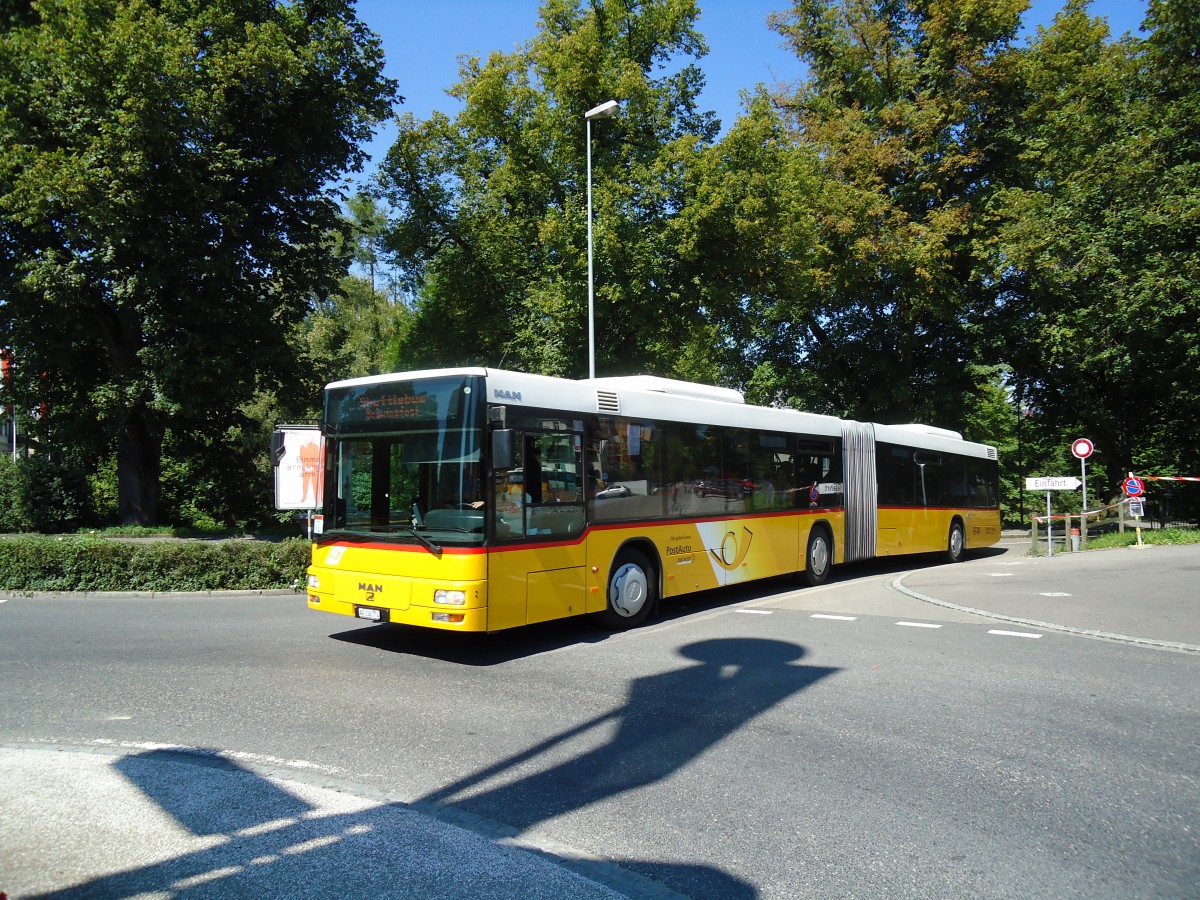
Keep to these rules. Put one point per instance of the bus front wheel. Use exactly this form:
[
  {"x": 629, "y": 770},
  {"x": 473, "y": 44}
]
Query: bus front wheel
[
  {"x": 631, "y": 591},
  {"x": 818, "y": 560},
  {"x": 955, "y": 544}
]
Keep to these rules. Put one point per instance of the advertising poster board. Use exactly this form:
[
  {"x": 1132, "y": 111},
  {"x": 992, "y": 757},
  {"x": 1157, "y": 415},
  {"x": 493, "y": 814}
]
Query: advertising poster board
[{"x": 297, "y": 451}]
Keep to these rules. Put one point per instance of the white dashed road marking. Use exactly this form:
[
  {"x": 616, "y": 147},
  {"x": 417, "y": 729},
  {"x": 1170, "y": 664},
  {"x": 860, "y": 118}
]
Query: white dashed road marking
[
  {"x": 839, "y": 618},
  {"x": 1024, "y": 634},
  {"x": 919, "y": 624}
]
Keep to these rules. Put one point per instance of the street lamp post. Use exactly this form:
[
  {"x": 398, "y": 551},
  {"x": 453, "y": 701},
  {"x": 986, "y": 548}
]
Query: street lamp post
[{"x": 604, "y": 111}]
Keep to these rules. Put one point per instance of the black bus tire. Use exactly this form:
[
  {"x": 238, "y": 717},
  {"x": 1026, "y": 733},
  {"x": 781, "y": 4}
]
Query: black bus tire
[
  {"x": 818, "y": 558},
  {"x": 956, "y": 543},
  {"x": 632, "y": 591}
]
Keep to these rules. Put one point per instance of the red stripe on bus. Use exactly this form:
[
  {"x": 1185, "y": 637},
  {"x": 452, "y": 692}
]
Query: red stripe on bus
[
  {"x": 942, "y": 508},
  {"x": 611, "y": 526},
  {"x": 407, "y": 548}
]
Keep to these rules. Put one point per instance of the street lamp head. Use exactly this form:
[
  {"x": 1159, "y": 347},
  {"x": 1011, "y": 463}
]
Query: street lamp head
[{"x": 605, "y": 110}]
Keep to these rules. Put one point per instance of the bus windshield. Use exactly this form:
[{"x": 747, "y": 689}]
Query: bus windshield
[{"x": 403, "y": 461}]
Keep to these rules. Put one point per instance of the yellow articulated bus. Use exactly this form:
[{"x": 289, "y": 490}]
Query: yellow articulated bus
[{"x": 476, "y": 499}]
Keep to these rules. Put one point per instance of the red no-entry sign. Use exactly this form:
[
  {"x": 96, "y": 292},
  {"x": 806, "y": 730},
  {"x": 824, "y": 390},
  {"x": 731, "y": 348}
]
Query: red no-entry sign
[{"x": 1082, "y": 448}]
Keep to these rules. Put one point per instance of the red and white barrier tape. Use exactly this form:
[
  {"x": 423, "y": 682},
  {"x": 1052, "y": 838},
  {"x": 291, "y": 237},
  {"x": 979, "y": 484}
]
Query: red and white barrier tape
[{"x": 1089, "y": 513}]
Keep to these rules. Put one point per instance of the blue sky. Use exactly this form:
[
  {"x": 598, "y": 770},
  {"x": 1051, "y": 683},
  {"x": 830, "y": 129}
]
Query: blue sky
[{"x": 422, "y": 40}]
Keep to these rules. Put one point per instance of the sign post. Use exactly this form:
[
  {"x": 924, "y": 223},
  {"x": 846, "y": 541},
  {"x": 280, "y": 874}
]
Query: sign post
[
  {"x": 1134, "y": 488},
  {"x": 1059, "y": 483},
  {"x": 1082, "y": 449},
  {"x": 1049, "y": 527}
]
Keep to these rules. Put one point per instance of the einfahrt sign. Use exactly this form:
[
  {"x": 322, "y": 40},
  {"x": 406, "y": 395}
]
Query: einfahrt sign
[{"x": 1069, "y": 483}]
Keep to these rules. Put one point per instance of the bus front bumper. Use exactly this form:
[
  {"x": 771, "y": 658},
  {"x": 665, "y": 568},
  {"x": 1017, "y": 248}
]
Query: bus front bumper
[{"x": 401, "y": 601}]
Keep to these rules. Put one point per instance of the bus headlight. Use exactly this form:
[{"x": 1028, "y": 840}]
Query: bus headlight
[
  {"x": 314, "y": 582},
  {"x": 450, "y": 598}
]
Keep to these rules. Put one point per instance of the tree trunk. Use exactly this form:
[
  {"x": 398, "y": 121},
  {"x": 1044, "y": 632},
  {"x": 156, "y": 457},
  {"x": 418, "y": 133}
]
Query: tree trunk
[{"x": 139, "y": 467}]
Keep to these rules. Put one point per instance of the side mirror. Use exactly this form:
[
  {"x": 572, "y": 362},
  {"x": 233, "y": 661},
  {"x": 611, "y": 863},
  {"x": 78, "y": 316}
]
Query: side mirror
[{"x": 503, "y": 448}]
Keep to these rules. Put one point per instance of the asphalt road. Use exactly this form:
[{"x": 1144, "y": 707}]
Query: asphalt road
[{"x": 855, "y": 740}]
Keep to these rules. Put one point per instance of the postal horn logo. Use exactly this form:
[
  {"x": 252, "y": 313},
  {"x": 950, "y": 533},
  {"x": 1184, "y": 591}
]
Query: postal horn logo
[{"x": 733, "y": 552}]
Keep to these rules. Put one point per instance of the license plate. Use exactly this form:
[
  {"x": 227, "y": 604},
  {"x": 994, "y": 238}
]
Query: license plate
[{"x": 367, "y": 612}]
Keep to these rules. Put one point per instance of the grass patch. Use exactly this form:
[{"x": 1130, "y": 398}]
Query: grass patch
[
  {"x": 92, "y": 563},
  {"x": 1149, "y": 536}
]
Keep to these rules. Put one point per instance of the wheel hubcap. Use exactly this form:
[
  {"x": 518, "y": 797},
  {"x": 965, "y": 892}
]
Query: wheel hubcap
[
  {"x": 629, "y": 590},
  {"x": 818, "y": 557}
]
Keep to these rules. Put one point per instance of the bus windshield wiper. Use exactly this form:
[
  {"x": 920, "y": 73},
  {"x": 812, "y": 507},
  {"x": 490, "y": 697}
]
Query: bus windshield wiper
[{"x": 430, "y": 545}]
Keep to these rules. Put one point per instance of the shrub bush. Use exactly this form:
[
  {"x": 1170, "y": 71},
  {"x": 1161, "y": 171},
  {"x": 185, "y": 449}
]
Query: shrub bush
[
  {"x": 41, "y": 494},
  {"x": 1149, "y": 536},
  {"x": 88, "y": 563}
]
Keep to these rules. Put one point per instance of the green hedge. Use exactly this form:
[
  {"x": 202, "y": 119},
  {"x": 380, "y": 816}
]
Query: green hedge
[
  {"x": 1149, "y": 536},
  {"x": 102, "y": 564}
]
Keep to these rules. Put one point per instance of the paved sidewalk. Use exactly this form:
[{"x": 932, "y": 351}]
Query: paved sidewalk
[
  {"x": 1143, "y": 595},
  {"x": 93, "y": 822}
]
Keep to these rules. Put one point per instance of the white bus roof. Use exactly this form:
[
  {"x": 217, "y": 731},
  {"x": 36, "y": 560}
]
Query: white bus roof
[{"x": 651, "y": 397}]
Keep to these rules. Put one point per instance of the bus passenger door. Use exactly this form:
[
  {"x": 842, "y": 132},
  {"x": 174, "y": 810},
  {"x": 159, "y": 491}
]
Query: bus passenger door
[{"x": 538, "y": 570}]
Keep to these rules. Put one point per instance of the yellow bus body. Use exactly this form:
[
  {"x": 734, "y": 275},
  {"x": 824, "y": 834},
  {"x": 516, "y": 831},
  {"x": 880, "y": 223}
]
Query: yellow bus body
[
  {"x": 506, "y": 587},
  {"x": 682, "y": 485},
  {"x": 916, "y": 530}
]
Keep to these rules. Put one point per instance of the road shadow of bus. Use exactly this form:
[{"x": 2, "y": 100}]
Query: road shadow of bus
[
  {"x": 259, "y": 836},
  {"x": 476, "y": 649}
]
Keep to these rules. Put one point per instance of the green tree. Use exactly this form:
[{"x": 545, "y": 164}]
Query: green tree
[
  {"x": 748, "y": 235},
  {"x": 899, "y": 108},
  {"x": 490, "y": 215},
  {"x": 1096, "y": 238},
  {"x": 164, "y": 172},
  {"x": 365, "y": 244},
  {"x": 350, "y": 333}
]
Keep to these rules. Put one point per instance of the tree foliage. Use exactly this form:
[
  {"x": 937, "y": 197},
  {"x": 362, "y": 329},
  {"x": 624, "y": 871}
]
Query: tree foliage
[
  {"x": 1095, "y": 238},
  {"x": 163, "y": 186},
  {"x": 491, "y": 217},
  {"x": 896, "y": 114},
  {"x": 939, "y": 223}
]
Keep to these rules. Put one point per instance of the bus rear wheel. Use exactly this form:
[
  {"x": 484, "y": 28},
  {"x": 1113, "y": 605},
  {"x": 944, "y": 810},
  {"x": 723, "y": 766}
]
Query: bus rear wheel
[
  {"x": 632, "y": 591},
  {"x": 818, "y": 559},
  {"x": 956, "y": 543}
]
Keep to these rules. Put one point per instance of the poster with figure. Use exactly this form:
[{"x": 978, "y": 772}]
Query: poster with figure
[{"x": 296, "y": 452}]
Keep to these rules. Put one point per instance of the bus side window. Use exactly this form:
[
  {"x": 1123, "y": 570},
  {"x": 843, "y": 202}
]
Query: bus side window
[
  {"x": 771, "y": 471},
  {"x": 551, "y": 493}
]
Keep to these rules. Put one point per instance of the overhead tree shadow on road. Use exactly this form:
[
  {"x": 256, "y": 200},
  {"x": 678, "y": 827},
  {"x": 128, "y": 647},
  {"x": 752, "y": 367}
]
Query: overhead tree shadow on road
[
  {"x": 667, "y": 720},
  {"x": 247, "y": 835},
  {"x": 253, "y": 837}
]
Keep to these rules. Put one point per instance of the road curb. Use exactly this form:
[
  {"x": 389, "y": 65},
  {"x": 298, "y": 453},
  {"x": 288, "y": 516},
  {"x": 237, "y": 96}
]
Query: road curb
[
  {"x": 898, "y": 584},
  {"x": 145, "y": 595}
]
